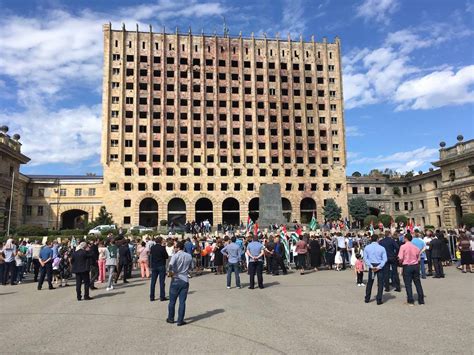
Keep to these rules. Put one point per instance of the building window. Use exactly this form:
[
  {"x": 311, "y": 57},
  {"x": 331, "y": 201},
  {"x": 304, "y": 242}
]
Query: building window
[
  {"x": 354, "y": 190},
  {"x": 378, "y": 190},
  {"x": 113, "y": 186},
  {"x": 28, "y": 210},
  {"x": 40, "y": 192},
  {"x": 366, "y": 190},
  {"x": 397, "y": 206},
  {"x": 77, "y": 192},
  {"x": 126, "y": 220},
  {"x": 127, "y": 203},
  {"x": 40, "y": 211},
  {"x": 92, "y": 191}
]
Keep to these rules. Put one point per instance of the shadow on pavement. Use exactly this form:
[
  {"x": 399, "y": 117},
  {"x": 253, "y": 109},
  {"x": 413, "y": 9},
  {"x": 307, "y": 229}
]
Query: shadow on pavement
[
  {"x": 7, "y": 293},
  {"x": 202, "y": 316},
  {"x": 130, "y": 284},
  {"x": 104, "y": 295}
]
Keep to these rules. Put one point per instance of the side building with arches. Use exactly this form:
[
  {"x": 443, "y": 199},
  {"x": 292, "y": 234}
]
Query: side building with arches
[{"x": 439, "y": 197}]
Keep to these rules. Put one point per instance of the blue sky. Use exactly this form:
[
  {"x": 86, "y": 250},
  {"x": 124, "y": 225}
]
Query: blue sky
[{"x": 408, "y": 68}]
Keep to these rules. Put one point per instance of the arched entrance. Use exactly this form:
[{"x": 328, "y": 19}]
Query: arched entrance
[
  {"x": 148, "y": 212},
  {"x": 374, "y": 211},
  {"x": 307, "y": 208},
  {"x": 177, "y": 212},
  {"x": 254, "y": 208},
  {"x": 286, "y": 207},
  {"x": 457, "y": 210},
  {"x": 74, "y": 219},
  {"x": 204, "y": 210},
  {"x": 231, "y": 211}
]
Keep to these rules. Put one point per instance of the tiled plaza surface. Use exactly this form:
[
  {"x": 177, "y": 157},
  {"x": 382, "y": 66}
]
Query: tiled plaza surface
[{"x": 320, "y": 312}]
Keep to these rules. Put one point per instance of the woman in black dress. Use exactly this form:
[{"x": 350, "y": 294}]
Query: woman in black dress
[
  {"x": 315, "y": 253},
  {"x": 219, "y": 257}
]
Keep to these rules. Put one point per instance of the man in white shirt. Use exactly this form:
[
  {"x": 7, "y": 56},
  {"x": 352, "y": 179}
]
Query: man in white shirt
[{"x": 427, "y": 239}]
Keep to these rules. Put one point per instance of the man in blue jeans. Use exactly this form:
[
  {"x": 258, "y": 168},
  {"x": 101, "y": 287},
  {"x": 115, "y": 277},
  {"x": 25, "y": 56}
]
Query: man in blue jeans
[
  {"x": 255, "y": 251},
  {"x": 158, "y": 257},
  {"x": 178, "y": 269},
  {"x": 420, "y": 244},
  {"x": 232, "y": 252}
]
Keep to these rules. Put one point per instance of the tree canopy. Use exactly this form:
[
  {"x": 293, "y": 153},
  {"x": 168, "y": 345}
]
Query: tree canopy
[
  {"x": 332, "y": 211},
  {"x": 358, "y": 208}
]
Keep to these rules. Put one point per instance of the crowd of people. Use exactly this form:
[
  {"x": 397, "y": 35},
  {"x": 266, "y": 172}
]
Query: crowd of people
[{"x": 385, "y": 256}]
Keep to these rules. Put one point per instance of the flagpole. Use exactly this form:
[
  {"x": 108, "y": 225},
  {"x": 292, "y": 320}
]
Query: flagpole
[{"x": 10, "y": 208}]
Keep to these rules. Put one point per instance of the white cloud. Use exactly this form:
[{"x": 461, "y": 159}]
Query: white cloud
[
  {"x": 67, "y": 135},
  {"x": 377, "y": 10},
  {"x": 376, "y": 75},
  {"x": 353, "y": 131},
  {"x": 400, "y": 161},
  {"x": 437, "y": 89},
  {"x": 51, "y": 57}
]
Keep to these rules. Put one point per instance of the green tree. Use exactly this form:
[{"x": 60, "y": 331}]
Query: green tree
[
  {"x": 385, "y": 219},
  {"x": 371, "y": 218},
  {"x": 331, "y": 211},
  {"x": 396, "y": 191},
  {"x": 102, "y": 218},
  {"x": 468, "y": 220},
  {"x": 403, "y": 219},
  {"x": 375, "y": 172},
  {"x": 358, "y": 208}
]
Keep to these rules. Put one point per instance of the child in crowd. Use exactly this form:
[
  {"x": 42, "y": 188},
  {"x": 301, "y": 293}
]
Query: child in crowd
[
  {"x": 359, "y": 270},
  {"x": 338, "y": 260}
]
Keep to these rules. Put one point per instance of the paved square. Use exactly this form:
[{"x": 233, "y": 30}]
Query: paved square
[{"x": 321, "y": 312}]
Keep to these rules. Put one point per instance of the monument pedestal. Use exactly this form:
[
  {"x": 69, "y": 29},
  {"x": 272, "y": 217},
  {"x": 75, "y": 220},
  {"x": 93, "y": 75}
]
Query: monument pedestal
[{"x": 270, "y": 207}]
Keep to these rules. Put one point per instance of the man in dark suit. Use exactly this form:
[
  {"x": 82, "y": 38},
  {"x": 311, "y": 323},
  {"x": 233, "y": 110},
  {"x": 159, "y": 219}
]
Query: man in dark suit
[
  {"x": 436, "y": 247},
  {"x": 158, "y": 256},
  {"x": 125, "y": 258},
  {"x": 81, "y": 267},
  {"x": 94, "y": 266},
  {"x": 390, "y": 268}
]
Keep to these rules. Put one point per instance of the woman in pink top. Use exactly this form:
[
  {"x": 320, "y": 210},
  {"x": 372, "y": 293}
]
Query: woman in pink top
[
  {"x": 143, "y": 252},
  {"x": 301, "y": 250},
  {"x": 101, "y": 262}
]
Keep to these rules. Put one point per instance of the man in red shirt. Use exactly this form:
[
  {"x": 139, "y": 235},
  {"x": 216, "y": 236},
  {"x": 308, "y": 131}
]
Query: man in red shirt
[{"x": 409, "y": 257}]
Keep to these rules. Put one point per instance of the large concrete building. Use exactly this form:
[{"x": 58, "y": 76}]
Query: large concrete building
[{"x": 194, "y": 124}]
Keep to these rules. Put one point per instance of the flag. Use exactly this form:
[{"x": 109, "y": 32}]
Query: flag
[
  {"x": 295, "y": 237},
  {"x": 283, "y": 228},
  {"x": 313, "y": 224},
  {"x": 410, "y": 226},
  {"x": 255, "y": 229},
  {"x": 284, "y": 241},
  {"x": 298, "y": 230},
  {"x": 249, "y": 224}
]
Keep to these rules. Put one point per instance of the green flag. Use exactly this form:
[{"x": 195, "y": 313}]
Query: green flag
[{"x": 313, "y": 224}]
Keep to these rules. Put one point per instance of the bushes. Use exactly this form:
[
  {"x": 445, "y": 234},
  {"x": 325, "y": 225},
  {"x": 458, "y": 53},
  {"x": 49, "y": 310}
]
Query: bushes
[
  {"x": 163, "y": 223},
  {"x": 401, "y": 219},
  {"x": 73, "y": 232},
  {"x": 27, "y": 230},
  {"x": 370, "y": 218},
  {"x": 468, "y": 220},
  {"x": 385, "y": 219},
  {"x": 429, "y": 226}
]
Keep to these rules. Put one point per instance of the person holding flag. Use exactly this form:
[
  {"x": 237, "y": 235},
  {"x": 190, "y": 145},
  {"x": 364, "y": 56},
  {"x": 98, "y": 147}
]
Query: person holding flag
[{"x": 313, "y": 224}]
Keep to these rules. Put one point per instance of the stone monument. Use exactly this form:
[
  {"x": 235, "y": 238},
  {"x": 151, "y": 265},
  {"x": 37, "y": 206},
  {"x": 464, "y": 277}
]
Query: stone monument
[{"x": 270, "y": 207}]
